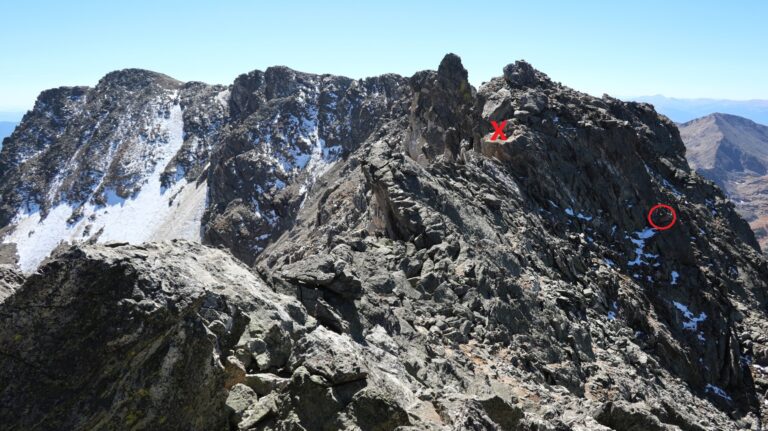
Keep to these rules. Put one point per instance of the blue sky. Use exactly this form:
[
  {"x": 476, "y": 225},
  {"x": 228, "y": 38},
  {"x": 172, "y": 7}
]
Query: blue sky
[{"x": 676, "y": 48}]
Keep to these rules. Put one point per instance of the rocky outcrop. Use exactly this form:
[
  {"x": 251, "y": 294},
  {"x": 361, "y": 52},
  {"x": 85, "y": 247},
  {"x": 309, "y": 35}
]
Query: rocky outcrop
[
  {"x": 441, "y": 118},
  {"x": 421, "y": 275},
  {"x": 531, "y": 260},
  {"x": 287, "y": 129},
  {"x": 180, "y": 336},
  {"x": 10, "y": 280},
  {"x": 149, "y": 331}
]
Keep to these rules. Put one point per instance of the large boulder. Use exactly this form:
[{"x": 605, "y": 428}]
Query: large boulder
[{"x": 137, "y": 337}]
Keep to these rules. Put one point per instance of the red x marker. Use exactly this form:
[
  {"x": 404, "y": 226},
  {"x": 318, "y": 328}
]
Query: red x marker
[{"x": 498, "y": 130}]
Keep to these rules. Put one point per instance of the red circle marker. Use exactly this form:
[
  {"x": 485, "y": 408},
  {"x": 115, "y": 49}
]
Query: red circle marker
[{"x": 667, "y": 207}]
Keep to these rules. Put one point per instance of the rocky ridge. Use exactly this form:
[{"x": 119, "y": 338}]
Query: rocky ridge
[{"x": 424, "y": 276}]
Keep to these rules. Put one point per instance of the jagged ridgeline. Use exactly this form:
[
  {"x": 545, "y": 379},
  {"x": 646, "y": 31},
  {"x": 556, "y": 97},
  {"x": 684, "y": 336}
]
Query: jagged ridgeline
[{"x": 384, "y": 261}]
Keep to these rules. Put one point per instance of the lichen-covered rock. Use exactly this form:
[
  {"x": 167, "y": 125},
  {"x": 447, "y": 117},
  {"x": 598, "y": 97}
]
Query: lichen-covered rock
[
  {"x": 122, "y": 337},
  {"x": 10, "y": 280}
]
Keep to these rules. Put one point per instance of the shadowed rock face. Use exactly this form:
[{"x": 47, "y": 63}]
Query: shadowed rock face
[
  {"x": 733, "y": 153},
  {"x": 287, "y": 129},
  {"x": 419, "y": 275}
]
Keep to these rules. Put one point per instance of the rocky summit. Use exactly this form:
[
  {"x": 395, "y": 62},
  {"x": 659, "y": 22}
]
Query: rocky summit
[{"x": 313, "y": 252}]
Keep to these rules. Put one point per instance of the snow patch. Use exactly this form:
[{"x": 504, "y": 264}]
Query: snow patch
[
  {"x": 223, "y": 98},
  {"x": 581, "y": 216},
  {"x": 153, "y": 213},
  {"x": 692, "y": 321},
  {"x": 717, "y": 391},
  {"x": 320, "y": 160},
  {"x": 639, "y": 242},
  {"x": 185, "y": 218}
]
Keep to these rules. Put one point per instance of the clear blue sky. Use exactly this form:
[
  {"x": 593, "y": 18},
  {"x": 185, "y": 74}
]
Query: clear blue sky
[{"x": 676, "y": 48}]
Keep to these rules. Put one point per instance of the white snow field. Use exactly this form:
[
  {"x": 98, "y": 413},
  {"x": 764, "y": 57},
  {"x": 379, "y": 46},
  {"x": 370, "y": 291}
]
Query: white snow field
[{"x": 153, "y": 213}]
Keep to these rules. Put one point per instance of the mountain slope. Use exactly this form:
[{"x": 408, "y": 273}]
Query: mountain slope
[
  {"x": 424, "y": 276},
  {"x": 733, "y": 152},
  {"x": 132, "y": 158},
  {"x": 115, "y": 162}
]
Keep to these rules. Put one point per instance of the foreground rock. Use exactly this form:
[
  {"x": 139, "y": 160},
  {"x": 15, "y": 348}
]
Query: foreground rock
[
  {"x": 180, "y": 336},
  {"x": 121, "y": 337}
]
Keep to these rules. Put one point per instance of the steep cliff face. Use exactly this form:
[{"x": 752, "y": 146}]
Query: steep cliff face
[
  {"x": 287, "y": 129},
  {"x": 410, "y": 270},
  {"x": 531, "y": 260}
]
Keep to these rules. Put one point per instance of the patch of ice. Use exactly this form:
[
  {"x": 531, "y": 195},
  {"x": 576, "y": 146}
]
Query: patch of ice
[
  {"x": 609, "y": 262},
  {"x": 675, "y": 276},
  {"x": 581, "y": 216},
  {"x": 186, "y": 214},
  {"x": 717, "y": 391},
  {"x": 671, "y": 188},
  {"x": 645, "y": 233},
  {"x": 639, "y": 242},
  {"x": 692, "y": 321}
]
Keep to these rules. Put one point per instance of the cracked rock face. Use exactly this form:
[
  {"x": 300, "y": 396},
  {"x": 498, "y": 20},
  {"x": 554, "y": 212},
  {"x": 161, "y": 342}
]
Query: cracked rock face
[
  {"x": 412, "y": 273},
  {"x": 124, "y": 337}
]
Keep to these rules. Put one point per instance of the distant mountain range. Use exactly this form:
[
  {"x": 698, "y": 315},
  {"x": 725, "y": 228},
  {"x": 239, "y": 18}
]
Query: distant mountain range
[
  {"x": 732, "y": 151},
  {"x": 683, "y": 110}
]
